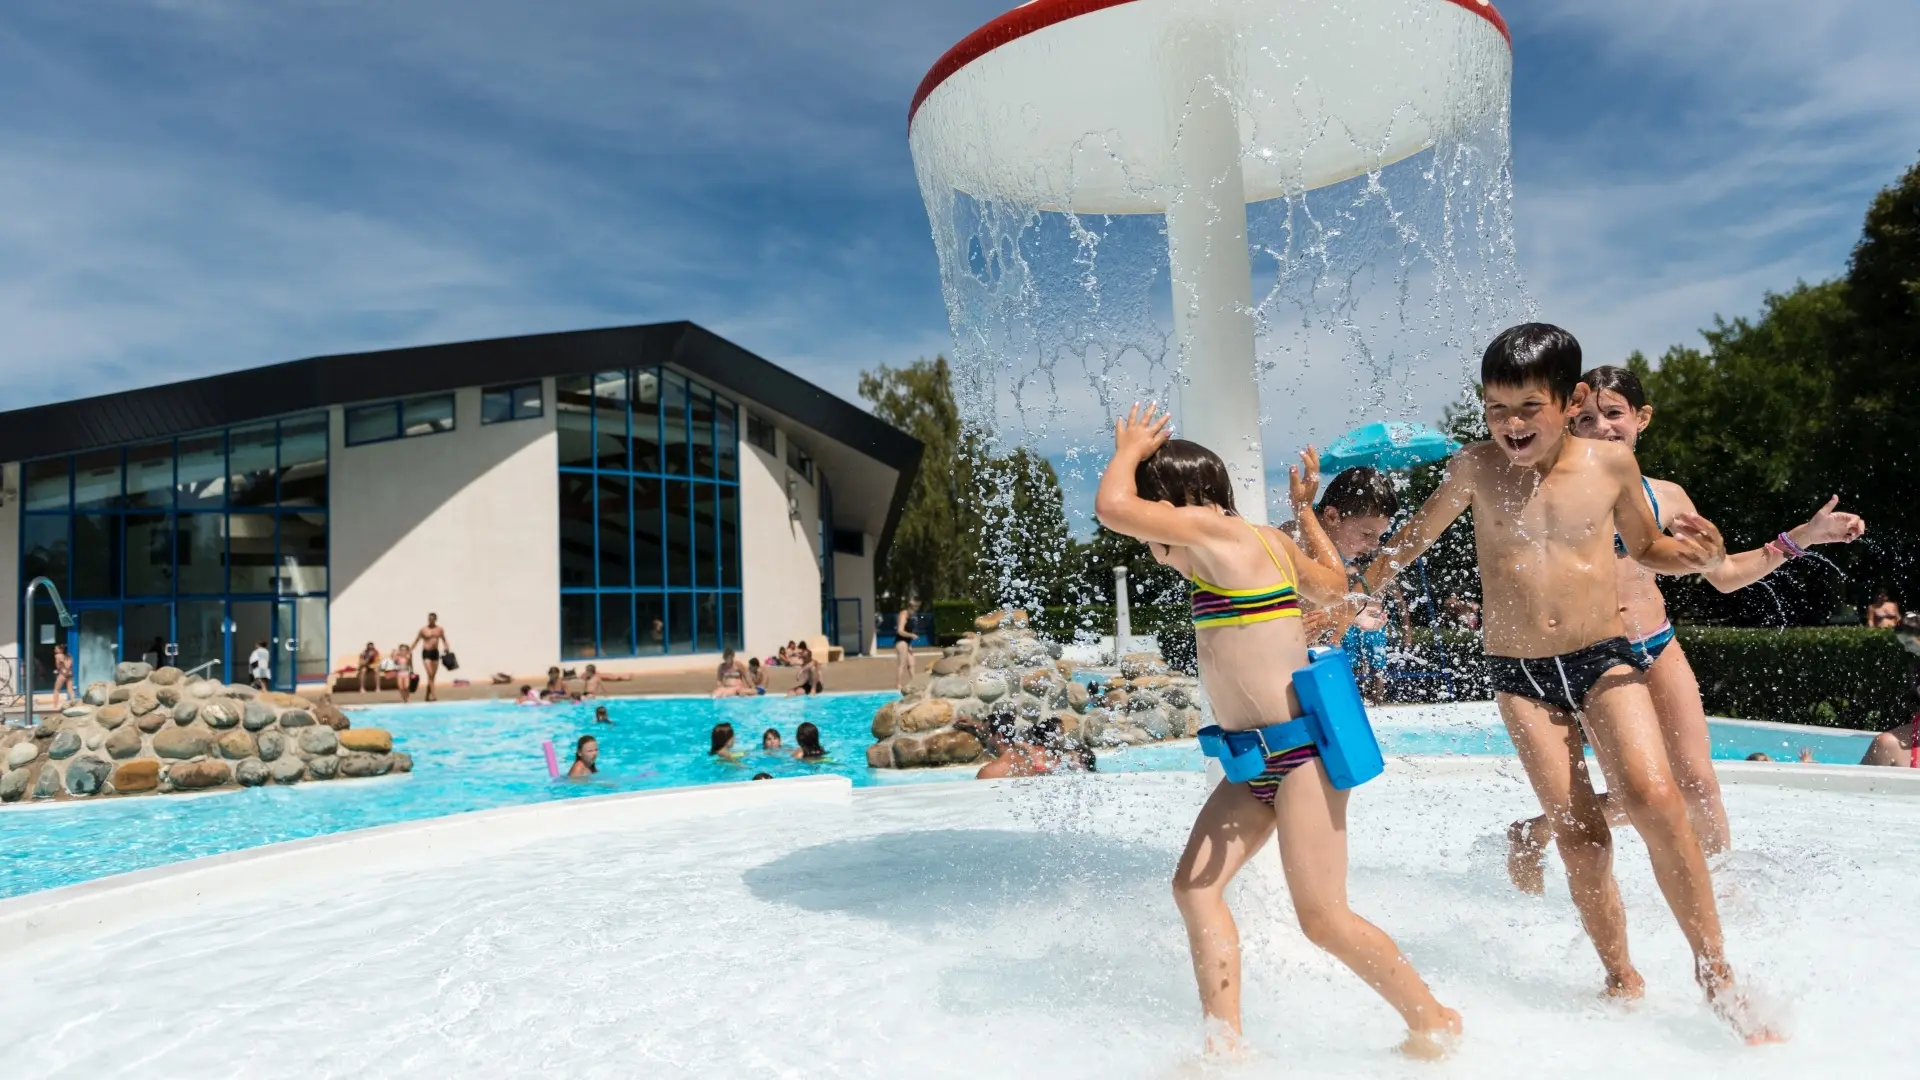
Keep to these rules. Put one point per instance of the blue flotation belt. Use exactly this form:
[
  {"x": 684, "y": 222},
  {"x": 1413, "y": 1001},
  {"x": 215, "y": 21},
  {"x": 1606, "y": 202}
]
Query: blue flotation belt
[{"x": 1334, "y": 722}]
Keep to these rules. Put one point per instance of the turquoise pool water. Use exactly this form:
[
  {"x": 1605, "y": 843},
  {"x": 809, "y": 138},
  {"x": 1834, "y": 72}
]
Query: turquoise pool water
[{"x": 472, "y": 756}]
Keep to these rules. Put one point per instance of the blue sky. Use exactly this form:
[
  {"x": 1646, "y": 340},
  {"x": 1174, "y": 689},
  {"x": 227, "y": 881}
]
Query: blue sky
[{"x": 191, "y": 186}]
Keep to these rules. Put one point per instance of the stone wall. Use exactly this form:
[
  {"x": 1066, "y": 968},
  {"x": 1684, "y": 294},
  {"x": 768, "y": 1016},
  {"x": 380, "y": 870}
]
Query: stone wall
[
  {"x": 1005, "y": 667},
  {"x": 155, "y": 731}
]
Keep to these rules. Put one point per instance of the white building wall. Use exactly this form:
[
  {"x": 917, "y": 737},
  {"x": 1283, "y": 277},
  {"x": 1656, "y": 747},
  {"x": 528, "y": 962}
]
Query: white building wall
[
  {"x": 779, "y": 557},
  {"x": 853, "y": 578},
  {"x": 465, "y": 524}
]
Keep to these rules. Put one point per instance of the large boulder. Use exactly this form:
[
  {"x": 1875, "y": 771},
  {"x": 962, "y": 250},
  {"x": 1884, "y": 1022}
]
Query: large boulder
[
  {"x": 64, "y": 745},
  {"x": 952, "y": 686},
  {"x": 183, "y": 743},
  {"x": 85, "y": 775},
  {"x": 240, "y": 690},
  {"x": 123, "y": 744},
  {"x": 197, "y": 775},
  {"x": 402, "y": 761},
  {"x": 156, "y": 720},
  {"x": 271, "y": 745},
  {"x": 323, "y": 768},
  {"x": 298, "y": 718},
  {"x": 236, "y": 746},
  {"x": 929, "y": 715},
  {"x": 287, "y": 770},
  {"x": 134, "y": 777},
  {"x": 142, "y": 702},
  {"x": 222, "y": 713},
  {"x": 48, "y": 785},
  {"x": 97, "y": 693},
  {"x": 327, "y": 713},
  {"x": 131, "y": 671},
  {"x": 187, "y": 710},
  {"x": 318, "y": 741},
  {"x": 251, "y": 773},
  {"x": 13, "y": 786},
  {"x": 359, "y": 765},
  {"x": 166, "y": 676},
  {"x": 258, "y": 715},
  {"x": 365, "y": 740},
  {"x": 112, "y": 716},
  {"x": 22, "y": 753},
  {"x": 885, "y": 720}
]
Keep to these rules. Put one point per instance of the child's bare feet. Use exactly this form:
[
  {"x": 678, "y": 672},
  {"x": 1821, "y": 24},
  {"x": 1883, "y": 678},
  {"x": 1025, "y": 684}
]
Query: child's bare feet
[
  {"x": 1625, "y": 988},
  {"x": 1224, "y": 1043},
  {"x": 1745, "y": 1012},
  {"x": 1527, "y": 855},
  {"x": 1436, "y": 1042}
]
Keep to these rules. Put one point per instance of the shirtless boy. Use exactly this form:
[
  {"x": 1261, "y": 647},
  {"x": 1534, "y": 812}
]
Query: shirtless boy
[{"x": 1545, "y": 508}]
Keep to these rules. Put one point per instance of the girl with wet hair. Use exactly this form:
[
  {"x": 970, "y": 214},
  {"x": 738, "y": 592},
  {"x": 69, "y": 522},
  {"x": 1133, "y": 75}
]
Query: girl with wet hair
[
  {"x": 722, "y": 741},
  {"x": 586, "y": 758},
  {"x": 1247, "y": 586},
  {"x": 1616, "y": 409},
  {"x": 808, "y": 737}
]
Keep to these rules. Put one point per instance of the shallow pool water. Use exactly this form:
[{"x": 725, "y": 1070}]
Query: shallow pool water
[
  {"x": 1017, "y": 930},
  {"x": 475, "y": 756}
]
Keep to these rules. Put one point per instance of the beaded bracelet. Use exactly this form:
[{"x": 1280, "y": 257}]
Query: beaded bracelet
[{"x": 1786, "y": 547}]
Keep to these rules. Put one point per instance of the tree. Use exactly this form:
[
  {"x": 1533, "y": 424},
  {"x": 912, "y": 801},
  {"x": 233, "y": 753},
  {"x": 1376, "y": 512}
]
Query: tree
[{"x": 932, "y": 556}]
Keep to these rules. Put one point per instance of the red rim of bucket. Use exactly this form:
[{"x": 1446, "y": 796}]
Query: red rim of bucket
[{"x": 1041, "y": 14}]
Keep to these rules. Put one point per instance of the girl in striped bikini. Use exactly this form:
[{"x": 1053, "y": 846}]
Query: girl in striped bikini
[
  {"x": 1618, "y": 411},
  {"x": 1248, "y": 582}
]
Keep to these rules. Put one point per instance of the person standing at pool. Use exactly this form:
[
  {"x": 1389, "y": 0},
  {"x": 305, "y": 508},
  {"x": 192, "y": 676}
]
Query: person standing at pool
[
  {"x": 1247, "y": 586},
  {"x": 432, "y": 642},
  {"x": 62, "y": 676},
  {"x": 1546, "y": 508},
  {"x": 1617, "y": 411},
  {"x": 586, "y": 756},
  {"x": 903, "y": 639},
  {"x": 260, "y": 666}
]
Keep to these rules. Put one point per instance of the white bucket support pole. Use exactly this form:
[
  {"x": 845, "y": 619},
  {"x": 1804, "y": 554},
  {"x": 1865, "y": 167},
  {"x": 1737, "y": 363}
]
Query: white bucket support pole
[{"x": 1212, "y": 275}]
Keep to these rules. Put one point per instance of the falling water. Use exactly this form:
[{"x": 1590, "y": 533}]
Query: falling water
[{"x": 1371, "y": 297}]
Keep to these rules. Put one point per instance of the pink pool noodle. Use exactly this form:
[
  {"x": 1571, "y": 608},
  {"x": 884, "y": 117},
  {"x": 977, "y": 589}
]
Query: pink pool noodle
[{"x": 553, "y": 763}]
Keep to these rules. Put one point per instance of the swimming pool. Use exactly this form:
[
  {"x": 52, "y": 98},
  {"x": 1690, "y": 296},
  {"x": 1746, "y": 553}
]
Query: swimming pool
[{"x": 477, "y": 756}]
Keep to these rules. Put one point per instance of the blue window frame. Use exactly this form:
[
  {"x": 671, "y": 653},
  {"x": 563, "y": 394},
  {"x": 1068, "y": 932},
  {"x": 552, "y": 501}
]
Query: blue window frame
[
  {"x": 406, "y": 418},
  {"x": 649, "y": 515},
  {"x": 187, "y": 548},
  {"x": 500, "y": 404}
]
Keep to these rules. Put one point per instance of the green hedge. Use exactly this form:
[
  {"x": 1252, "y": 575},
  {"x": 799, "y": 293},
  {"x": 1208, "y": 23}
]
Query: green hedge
[{"x": 1840, "y": 676}]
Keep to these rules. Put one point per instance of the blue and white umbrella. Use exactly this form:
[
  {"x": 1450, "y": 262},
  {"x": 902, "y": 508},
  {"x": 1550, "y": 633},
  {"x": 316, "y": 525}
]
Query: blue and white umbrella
[{"x": 1386, "y": 447}]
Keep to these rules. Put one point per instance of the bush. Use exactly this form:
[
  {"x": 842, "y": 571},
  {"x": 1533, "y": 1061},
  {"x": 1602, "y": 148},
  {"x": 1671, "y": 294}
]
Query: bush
[{"x": 1848, "y": 677}]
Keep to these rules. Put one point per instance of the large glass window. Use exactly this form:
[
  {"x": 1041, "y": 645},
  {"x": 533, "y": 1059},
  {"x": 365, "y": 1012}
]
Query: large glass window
[
  {"x": 649, "y": 514},
  {"x": 169, "y": 545}
]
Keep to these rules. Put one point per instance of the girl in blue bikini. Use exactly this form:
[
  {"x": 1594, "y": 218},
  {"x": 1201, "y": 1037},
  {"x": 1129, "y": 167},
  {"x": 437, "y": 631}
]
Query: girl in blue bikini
[
  {"x": 1618, "y": 411},
  {"x": 1248, "y": 582}
]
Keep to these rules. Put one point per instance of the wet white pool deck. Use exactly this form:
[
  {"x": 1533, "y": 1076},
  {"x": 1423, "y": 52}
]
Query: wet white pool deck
[{"x": 1011, "y": 929}]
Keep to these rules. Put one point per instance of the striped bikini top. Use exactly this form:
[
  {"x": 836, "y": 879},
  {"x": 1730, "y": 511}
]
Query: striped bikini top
[
  {"x": 1214, "y": 606},
  {"x": 1619, "y": 545}
]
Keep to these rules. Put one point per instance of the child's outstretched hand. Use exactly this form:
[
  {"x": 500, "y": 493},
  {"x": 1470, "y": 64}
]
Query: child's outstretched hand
[
  {"x": 1303, "y": 481},
  {"x": 1828, "y": 527},
  {"x": 1700, "y": 539},
  {"x": 1138, "y": 435}
]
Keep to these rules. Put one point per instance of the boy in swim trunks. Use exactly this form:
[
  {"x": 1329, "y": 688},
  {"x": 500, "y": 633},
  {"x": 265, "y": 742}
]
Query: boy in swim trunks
[{"x": 1545, "y": 508}]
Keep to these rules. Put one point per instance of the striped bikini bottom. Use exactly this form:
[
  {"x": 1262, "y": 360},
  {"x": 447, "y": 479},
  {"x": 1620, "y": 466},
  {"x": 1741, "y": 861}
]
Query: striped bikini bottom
[{"x": 1267, "y": 784}]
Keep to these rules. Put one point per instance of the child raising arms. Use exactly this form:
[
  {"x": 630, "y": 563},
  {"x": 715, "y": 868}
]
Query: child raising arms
[
  {"x": 1546, "y": 507},
  {"x": 1617, "y": 410},
  {"x": 1248, "y": 582}
]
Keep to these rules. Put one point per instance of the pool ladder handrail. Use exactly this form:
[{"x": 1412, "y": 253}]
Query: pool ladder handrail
[
  {"x": 201, "y": 668},
  {"x": 26, "y": 653}
]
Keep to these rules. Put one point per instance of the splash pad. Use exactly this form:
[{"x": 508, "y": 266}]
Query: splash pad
[
  {"x": 1088, "y": 167},
  {"x": 1018, "y": 929}
]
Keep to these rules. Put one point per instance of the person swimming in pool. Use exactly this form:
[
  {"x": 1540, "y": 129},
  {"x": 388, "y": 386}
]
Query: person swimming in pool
[
  {"x": 770, "y": 740},
  {"x": 586, "y": 757},
  {"x": 1247, "y": 586},
  {"x": 808, "y": 737},
  {"x": 722, "y": 743}
]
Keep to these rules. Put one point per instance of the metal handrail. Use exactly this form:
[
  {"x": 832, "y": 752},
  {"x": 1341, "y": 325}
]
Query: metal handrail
[
  {"x": 201, "y": 668},
  {"x": 26, "y": 652}
]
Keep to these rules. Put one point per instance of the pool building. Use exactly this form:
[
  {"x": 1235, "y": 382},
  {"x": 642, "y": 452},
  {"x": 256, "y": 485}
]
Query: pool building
[{"x": 639, "y": 497}]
